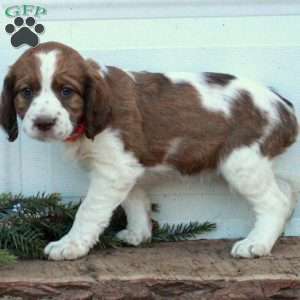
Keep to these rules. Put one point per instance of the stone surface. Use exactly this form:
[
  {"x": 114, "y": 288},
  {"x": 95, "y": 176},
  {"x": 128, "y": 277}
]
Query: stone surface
[{"x": 184, "y": 270}]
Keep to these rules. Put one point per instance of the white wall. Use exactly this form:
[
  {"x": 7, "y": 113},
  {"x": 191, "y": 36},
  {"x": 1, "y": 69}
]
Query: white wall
[{"x": 263, "y": 44}]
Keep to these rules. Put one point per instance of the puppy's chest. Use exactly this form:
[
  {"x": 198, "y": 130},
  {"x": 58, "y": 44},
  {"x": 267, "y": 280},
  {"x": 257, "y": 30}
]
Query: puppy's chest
[
  {"x": 81, "y": 152},
  {"x": 106, "y": 149}
]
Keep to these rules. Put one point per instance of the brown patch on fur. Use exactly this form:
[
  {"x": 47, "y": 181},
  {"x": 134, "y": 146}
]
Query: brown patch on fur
[
  {"x": 152, "y": 112},
  {"x": 218, "y": 78},
  {"x": 75, "y": 106},
  {"x": 8, "y": 116},
  {"x": 21, "y": 105},
  {"x": 172, "y": 111},
  {"x": 97, "y": 98},
  {"x": 247, "y": 123},
  {"x": 93, "y": 64},
  {"x": 283, "y": 135},
  {"x": 126, "y": 115},
  {"x": 21, "y": 75}
]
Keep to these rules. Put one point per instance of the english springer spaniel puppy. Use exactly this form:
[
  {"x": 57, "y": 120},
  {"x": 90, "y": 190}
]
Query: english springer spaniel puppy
[{"x": 125, "y": 125}]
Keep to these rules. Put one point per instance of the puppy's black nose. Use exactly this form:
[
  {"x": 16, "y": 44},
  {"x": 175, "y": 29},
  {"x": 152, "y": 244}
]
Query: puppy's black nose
[{"x": 44, "y": 123}]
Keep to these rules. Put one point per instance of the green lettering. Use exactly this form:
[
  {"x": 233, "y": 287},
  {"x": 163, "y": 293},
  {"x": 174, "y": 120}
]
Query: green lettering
[
  {"x": 27, "y": 9},
  {"x": 12, "y": 11},
  {"x": 40, "y": 11}
]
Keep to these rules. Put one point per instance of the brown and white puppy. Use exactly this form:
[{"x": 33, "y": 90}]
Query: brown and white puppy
[{"x": 125, "y": 125}]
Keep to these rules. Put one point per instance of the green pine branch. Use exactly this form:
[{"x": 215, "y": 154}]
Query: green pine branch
[
  {"x": 28, "y": 224},
  {"x": 180, "y": 232}
]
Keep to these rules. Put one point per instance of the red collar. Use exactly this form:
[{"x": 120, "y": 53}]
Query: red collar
[{"x": 77, "y": 133}]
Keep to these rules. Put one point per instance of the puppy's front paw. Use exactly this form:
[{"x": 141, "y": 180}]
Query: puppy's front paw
[
  {"x": 133, "y": 237},
  {"x": 66, "y": 248},
  {"x": 249, "y": 248}
]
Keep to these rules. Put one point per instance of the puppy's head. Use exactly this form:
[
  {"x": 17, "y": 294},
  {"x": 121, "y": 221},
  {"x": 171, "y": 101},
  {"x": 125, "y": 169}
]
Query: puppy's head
[{"x": 53, "y": 90}]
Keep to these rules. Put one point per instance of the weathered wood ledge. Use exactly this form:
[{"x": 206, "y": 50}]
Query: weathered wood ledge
[{"x": 182, "y": 270}]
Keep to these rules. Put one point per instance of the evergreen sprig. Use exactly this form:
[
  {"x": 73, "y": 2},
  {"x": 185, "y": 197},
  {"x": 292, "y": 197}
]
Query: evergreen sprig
[
  {"x": 27, "y": 224},
  {"x": 180, "y": 232}
]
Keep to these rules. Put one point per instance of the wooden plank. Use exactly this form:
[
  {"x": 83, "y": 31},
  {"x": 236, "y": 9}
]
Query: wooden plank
[{"x": 183, "y": 270}]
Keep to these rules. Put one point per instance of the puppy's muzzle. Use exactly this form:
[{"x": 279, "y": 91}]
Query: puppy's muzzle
[{"x": 44, "y": 123}]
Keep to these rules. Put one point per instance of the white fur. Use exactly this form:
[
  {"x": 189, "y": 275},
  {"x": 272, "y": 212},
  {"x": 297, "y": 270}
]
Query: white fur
[
  {"x": 251, "y": 174},
  {"x": 47, "y": 105},
  {"x": 113, "y": 173},
  {"x": 137, "y": 208}
]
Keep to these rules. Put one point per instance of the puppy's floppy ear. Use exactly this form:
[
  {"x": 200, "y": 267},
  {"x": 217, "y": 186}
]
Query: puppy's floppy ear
[
  {"x": 8, "y": 115},
  {"x": 97, "y": 109}
]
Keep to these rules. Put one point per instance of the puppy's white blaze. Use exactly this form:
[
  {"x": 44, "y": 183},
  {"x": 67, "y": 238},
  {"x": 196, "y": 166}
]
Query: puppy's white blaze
[
  {"x": 47, "y": 68},
  {"x": 212, "y": 98}
]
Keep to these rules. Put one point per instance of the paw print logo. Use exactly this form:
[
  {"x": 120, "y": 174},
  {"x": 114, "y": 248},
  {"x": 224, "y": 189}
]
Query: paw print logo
[{"x": 24, "y": 33}]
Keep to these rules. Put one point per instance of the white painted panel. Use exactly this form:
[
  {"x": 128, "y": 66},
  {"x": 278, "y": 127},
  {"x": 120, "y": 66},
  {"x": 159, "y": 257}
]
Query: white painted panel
[{"x": 263, "y": 48}]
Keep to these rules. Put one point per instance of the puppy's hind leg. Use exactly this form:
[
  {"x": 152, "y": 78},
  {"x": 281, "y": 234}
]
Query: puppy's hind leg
[
  {"x": 137, "y": 208},
  {"x": 250, "y": 173},
  {"x": 289, "y": 190}
]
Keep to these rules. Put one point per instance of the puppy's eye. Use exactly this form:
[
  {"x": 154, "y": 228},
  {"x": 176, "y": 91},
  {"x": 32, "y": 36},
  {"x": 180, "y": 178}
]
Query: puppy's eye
[
  {"x": 66, "y": 92},
  {"x": 27, "y": 93}
]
